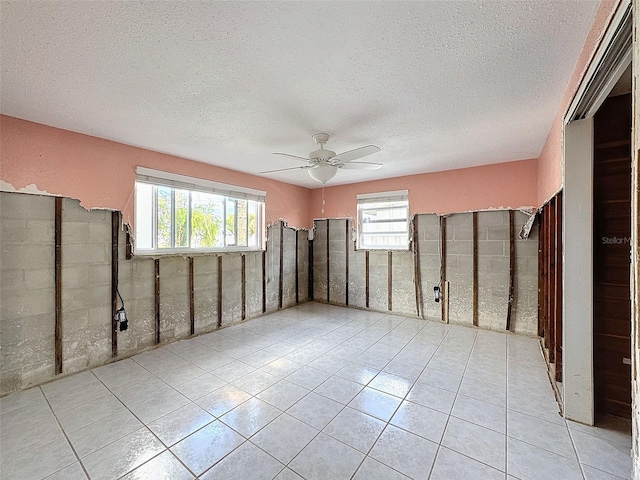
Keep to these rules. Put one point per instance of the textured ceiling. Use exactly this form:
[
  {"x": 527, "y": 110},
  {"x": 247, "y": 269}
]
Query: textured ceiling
[{"x": 436, "y": 85}]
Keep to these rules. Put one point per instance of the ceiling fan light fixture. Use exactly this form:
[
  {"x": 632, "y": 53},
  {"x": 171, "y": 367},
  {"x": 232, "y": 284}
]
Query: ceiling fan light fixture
[{"x": 323, "y": 172}]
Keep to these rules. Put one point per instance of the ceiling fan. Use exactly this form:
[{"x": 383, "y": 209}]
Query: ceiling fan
[{"x": 322, "y": 164}]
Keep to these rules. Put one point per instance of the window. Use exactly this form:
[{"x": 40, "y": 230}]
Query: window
[
  {"x": 174, "y": 213},
  {"x": 383, "y": 220}
]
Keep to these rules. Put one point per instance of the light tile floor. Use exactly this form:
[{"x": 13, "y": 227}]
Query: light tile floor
[{"x": 314, "y": 392}]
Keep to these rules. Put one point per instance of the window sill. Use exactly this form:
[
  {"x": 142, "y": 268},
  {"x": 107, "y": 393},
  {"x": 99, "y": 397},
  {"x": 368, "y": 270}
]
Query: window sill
[
  {"x": 383, "y": 249},
  {"x": 193, "y": 253}
]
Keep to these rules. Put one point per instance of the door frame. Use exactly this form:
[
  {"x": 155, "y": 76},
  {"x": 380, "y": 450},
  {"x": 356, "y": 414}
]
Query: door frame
[{"x": 613, "y": 56}]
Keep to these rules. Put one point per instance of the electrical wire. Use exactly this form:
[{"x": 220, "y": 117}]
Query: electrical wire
[{"x": 120, "y": 297}]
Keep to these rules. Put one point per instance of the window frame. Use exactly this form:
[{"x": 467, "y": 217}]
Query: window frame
[
  {"x": 175, "y": 182},
  {"x": 376, "y": 198}
]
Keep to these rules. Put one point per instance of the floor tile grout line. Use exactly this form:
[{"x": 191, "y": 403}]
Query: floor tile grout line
[
  {"x": 334, "y": 343},
  {"x": 75, "y": 453},
  {"x": 575, "y": 449},
  {"x": 166, "y": 449},
  {"x": 600, "y": 437},
  {"x": 444, "y": 431},
  {"x": 248, "y": 439},
  {"x": 577, "y": 458},
  {"x": 387, "y": 423},
  {"x": 344, "y": 407}
]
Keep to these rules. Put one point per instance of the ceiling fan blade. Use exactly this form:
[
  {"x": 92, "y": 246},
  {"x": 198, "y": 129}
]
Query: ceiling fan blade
[
  {"x": 355, "y": 154},
  {"x": 292, "y": 156},
  {"x": 285, "y": 169},
  {"x": 361, "y": 166}
]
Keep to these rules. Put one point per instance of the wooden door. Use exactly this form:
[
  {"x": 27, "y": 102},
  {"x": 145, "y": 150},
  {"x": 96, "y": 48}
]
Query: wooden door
[{"x": 612, "y": 232}]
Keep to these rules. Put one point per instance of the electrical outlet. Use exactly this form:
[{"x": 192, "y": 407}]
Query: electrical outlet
[{"x": 121, "y": 318}]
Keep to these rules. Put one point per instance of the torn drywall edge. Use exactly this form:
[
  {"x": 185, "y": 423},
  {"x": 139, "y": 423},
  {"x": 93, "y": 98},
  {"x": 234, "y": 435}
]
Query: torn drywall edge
[
  {"x": 526, "y": 228},
  {"x": 32, "y": 189}
]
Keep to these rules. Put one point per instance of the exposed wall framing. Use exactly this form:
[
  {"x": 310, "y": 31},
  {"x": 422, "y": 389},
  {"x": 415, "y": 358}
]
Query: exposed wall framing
[
  {"x": 60, "y": 261},
  {"x": 475, "y": 250},
  {"x": 550, "y": 284}
]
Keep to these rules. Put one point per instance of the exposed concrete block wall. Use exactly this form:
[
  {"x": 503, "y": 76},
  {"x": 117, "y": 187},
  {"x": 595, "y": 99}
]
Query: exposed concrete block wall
[
  {"x": 231, "y": 289},
  {"x": 205, "y": 290},
  {"x": 136, "y": 283},
  {"x": 253, "y": 265},
  {"x": 459, "y": 267},
  {"x": 86, "y": 286},
  {"x": 428, "y": 237},
  {"x": 525, "y": 307},
  {"x": 403, "y": 291},
  {"x": 320, "y": 261},
  {"x": 27, "y": 293},
  {"x": 27, "y": 296},
  {"x": 303, "y": 265},
  {"x": 493, "y": 250},
  {"x": 338, "y": 261},
  {"x": 378, "y": 281},
  {"x": 273, "y": 267},
  {"x": 357, "y": 272},
  {"x": 174, "y": 298},
  {"x": 289, "y": 267},
  {"x": 493, "y": 269}
]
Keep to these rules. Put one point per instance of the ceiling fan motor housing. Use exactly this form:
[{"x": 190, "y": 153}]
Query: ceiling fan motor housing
[{"x": 322, "y": 155}]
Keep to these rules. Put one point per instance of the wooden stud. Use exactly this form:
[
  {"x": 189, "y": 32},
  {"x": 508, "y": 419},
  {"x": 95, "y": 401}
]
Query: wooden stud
[
  {"x": 443, "y": 266},
  {"x": 244, "y": 286},
  {"x": 512, "y": 267},
  {"x": 157, "y": 299},
  {"x": 192, "y": 315},
  {"x": 541, "y": 246},
  {"x": 559, "y": 286},
  {"x": 551, "y": 279},
  {"x": 264, "y": 281},
  {"x": 366, "y": 278},
  {"x": 297, "y": 269},
  {"x": 281, "y": 268},
  {"x": 58, "y": 284},
  {"x": 219, "y": 291},
  {"x": 445, "y": 301},
  {"x": 389, "y": 280},
  {"x": 115, "y": 227},
  {"x": 543, "y": 303},
  {"x": 417, "y": 278},
  {"x": 328, "y": 263},
  {"x": 346, "y": 263},
  {"x": 310, "y": 272},
  {"x": 475, "y": 269}
]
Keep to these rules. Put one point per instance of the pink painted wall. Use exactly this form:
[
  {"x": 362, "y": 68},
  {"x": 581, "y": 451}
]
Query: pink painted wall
[
  {"x": 101, "y": 173},
  {"x": 504, "y": 185},
  {"x": 550, "y": 161}
]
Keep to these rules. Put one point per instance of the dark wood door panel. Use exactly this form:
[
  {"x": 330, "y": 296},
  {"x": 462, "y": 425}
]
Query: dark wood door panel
[
  {"x": 607, "y": 291},
  {"x": 611, "y": 252}
]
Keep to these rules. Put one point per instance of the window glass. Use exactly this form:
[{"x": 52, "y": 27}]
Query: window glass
[
  {"x": 181, "y": 219},
  {"x": 164, "y": 206},
  {"x": 383, "y": 224},
  {"x": 169, "y": 218},
  {"x": 206, "y": 226}
]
